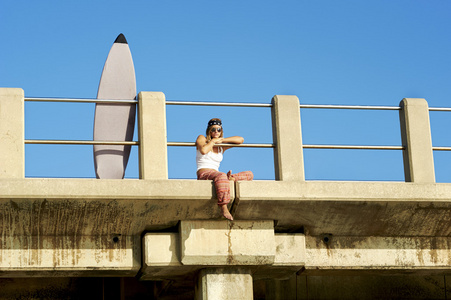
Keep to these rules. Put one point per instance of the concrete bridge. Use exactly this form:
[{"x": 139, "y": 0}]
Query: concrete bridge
[{"x": 160, "y": 238}]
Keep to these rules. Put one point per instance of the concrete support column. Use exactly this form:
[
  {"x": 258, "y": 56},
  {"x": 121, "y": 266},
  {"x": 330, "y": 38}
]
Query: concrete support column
[
  {"x": 289, "y": 158},
  {"x": 416, "y": 137},
  {"x": 153, "y": 156},
  {"x": 12, "y": 133},
  {"x": 224, "y": 283}
]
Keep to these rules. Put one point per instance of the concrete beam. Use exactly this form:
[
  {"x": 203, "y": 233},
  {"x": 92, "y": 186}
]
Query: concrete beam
[
  {"x": 162, "y": 252},
  {"x": 289, "y": 259},
  {"x": 227, "y": 243},
  {"x": 50, "y": 256},
  {"x": 287, "y": 134},
  {"x": 129, "y": 207},
  {"x": 153, "y": 156},
  {"x": 161, "y": 258},
  {"x": 77, "y": 207},
  {"x": 348, "y": 208},
  {"x": 12, "y": 133},
  {"x": 340, "y": 255},
  {"x": 416, "y": 137}
]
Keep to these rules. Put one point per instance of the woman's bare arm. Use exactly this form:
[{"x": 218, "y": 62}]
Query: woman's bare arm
[
  {"x": 204, "y": 147},
  {"x": 232, "y": 140}
]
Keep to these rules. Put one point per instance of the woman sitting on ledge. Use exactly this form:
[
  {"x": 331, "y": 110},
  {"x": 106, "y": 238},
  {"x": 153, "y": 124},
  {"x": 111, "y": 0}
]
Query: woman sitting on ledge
[{"x": 208, "y": 158}]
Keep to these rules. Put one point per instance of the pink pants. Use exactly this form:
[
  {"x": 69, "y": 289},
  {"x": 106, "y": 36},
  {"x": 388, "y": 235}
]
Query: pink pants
[{"x": 222, "y": 184}]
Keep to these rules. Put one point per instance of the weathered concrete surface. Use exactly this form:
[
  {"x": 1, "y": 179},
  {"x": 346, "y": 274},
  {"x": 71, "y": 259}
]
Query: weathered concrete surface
[
  {"x": 43, "y": 256},
  {"x": 348, "y": 208},
  {"x": 224, "y": 284},
  {"x": 153, "y": 156},
  {"x": 161, "y": 258},
  {"x": 290, "y": 249},
  {"x": 287, "y": 134},
  {"x": 416, "y": 137},
  {"x": 212, "y": 243},
  {"x": 227, "y": 243},
  {"x": 289, "y": 258},
  {"x": 12, "y": 133},
  {"x": 339, "y": 255},
  {"x": 76, "y": 207}
]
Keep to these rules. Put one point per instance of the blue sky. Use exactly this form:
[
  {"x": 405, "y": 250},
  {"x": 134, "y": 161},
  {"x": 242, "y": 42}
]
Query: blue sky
[{"x": 324, "y": 52}]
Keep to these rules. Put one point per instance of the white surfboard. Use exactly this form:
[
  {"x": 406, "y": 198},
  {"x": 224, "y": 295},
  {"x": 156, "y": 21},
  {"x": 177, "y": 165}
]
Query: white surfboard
[{"x": 115, "y": 122}]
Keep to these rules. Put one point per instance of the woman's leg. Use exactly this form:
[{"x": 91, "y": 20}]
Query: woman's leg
[{"x": 222, "y": 187}]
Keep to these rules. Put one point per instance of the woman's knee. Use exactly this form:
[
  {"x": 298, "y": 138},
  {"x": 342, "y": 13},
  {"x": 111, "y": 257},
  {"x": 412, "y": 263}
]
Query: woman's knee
[{"x": 221, "y": 176}]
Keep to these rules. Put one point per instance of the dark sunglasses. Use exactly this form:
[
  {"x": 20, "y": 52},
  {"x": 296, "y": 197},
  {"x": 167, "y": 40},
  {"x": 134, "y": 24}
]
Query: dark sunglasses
[{"x": 216, "y": 129}]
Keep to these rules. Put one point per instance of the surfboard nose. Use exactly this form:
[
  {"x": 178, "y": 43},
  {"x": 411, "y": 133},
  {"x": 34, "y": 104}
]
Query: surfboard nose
[{"x": 121, "y": 39}]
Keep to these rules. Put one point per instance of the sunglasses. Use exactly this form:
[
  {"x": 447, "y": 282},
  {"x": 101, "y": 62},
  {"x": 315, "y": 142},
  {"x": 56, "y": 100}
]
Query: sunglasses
[{"x": 216, "y": 129}]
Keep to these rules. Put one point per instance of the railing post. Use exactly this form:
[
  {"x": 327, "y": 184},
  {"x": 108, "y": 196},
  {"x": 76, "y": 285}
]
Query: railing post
[
  {"x": 12, "y": 133},
  {"x": 416, "y": 138},
  {"x": 153, "y": 157},
  {"x": 288, "y": 154}
]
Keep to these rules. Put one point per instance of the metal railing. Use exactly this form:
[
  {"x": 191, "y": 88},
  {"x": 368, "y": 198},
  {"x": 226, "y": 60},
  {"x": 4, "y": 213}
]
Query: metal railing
[{"x": 229, "y": 104}]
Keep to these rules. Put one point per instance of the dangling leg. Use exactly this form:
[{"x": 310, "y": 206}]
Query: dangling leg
[
  {"x": 222, "y": 187},
  {"x": 225, "y": 212}
]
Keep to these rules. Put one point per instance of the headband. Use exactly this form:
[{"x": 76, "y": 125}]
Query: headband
[{"x": 214, "y": 122}]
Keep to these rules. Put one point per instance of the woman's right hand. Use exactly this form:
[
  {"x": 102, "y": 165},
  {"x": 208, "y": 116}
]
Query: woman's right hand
[{"x": 217, "y": 140}]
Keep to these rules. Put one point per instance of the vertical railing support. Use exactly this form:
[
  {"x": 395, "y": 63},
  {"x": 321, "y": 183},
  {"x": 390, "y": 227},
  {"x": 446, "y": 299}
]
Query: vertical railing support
[
  {"x": 12, "y": 133},
  {"x": 153, "y": 157},
  {"x": 288, "y": 154},
  {"x": 416, "y": 138}
]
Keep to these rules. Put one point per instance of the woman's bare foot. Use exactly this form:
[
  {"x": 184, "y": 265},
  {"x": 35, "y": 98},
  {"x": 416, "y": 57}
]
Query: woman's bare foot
[
  {"x": 225, "y": 212},
  {"x": 229, "y": 176}
]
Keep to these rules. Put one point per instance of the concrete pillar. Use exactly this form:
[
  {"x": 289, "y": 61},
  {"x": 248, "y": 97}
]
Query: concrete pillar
[
  {"x": 416, "y": 137},
  {"x": 12, "y": 133},
  {"x": 288, "y": 154},
  {"x": 224, "y": 284},
  {"x": 153, "y": 156}
]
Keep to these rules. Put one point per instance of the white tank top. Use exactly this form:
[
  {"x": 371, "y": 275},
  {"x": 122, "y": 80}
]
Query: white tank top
[{"x": 210, "y": 160}]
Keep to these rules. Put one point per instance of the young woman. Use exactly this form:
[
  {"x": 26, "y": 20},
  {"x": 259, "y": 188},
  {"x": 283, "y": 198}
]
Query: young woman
[{"x": 209, "y": 157}]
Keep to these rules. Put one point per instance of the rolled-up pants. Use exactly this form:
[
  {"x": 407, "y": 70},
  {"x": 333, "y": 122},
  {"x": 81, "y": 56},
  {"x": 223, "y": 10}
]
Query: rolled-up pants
[{"x": 222, "y": 183}]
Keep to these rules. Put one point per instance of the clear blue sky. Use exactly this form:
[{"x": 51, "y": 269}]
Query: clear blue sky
[{"x": 324, "y": 52}]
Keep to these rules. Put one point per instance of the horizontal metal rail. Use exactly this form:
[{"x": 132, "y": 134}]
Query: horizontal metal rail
[
  {"x": 441, "y": 148},
  {"x": 360, "y": 147},
  {"x": 350, "y": 107},
  {"x": 77, "y": 100},
  {"x": 191, "y": 144},
  {"x": 439, "y": 108},
  {"x": 183, "y": 144},
  {"x": 235, "y": 104},
  {"x": 79, "y": 142}
]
